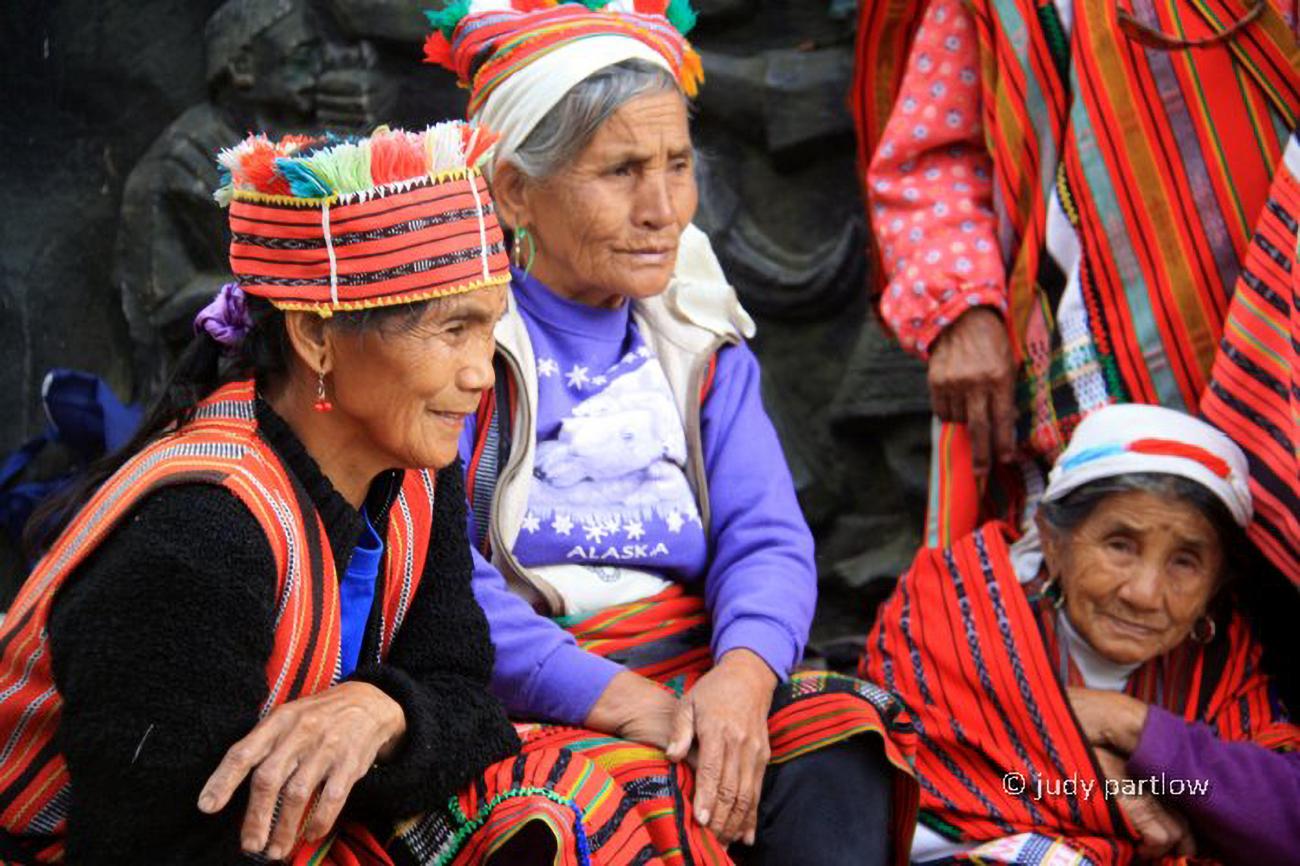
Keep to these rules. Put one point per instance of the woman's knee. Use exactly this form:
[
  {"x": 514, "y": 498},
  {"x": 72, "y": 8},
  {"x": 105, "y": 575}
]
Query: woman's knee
[{"x": 829, "y": 807}]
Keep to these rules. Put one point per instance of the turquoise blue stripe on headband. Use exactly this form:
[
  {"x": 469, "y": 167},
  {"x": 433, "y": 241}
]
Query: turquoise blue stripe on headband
[{"x": 1088, "y": 455}]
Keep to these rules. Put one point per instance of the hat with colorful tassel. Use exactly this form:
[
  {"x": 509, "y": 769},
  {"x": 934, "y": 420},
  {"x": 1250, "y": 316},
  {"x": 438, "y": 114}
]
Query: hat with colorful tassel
[
  {"x": 518, "y": 58},
  {"x": 344, "y": 224}
]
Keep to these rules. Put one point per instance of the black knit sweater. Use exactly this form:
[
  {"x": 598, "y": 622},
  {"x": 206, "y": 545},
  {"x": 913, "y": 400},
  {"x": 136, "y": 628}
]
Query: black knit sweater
[{"x": 159, "y": 645}]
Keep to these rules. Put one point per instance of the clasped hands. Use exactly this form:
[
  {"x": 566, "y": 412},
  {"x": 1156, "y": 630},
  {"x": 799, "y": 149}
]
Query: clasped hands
[
  {"x": 1112, "y": 723},
  {"x": 719, "y": 727}
]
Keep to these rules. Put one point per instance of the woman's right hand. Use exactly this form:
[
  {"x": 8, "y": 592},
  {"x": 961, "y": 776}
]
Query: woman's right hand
[
  {"x": 1161, "y": 830},
  {"x": 635, "y": 708},
  {"x": 320, "y": 744},
  {"x": 972, "y": 374}
]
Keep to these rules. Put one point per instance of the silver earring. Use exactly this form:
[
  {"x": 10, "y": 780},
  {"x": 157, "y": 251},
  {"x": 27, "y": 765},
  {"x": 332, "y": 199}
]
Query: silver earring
[{"x": 1052, "y": 590}]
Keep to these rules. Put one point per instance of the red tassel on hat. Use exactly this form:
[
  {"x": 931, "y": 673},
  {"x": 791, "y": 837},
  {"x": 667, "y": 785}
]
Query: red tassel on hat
[
  {"x": 476, "y": 141},
  {"x": 395, "y": 156},
  {"x": 258, "y": 166},
  {"x": 437, "y": 49}
]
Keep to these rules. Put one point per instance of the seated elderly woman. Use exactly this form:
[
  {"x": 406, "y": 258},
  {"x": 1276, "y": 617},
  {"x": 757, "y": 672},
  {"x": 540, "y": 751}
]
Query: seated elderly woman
[
  {"x": 1090, "y": 693},
  {"x": 257, "y": 632},
  {"x": 651, "y": 577}
]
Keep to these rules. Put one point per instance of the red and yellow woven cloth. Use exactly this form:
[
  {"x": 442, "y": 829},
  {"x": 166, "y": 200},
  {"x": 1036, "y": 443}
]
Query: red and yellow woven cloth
[
  {"x": 485, "y": 44},
  {"x": 331, "y": 224}
]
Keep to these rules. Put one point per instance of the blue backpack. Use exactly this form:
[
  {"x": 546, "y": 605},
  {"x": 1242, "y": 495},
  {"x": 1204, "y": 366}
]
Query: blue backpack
[{"x": 84, "y": 416}]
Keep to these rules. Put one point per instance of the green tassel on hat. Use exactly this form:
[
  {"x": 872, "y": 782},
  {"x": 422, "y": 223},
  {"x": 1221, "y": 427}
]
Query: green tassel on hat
[
  {"x": 449, "y": 16},
  {"x": 681, "y": 15}
]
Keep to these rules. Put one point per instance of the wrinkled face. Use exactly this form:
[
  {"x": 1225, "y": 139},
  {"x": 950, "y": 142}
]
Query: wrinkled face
[
  {"x": 1137, "y": 574},
  {"x": 607, "y": 225},
  {"x": 406, "y": 390}
]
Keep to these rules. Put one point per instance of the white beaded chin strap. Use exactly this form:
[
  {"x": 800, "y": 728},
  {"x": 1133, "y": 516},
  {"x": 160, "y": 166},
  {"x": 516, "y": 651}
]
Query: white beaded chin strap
[
  {"x": 329, "y": 249},
  {"x": 482, "y": 227}
]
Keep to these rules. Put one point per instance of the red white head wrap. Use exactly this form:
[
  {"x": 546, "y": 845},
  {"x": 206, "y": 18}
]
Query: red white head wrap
[
  {"x": 394, "y": 218},
  {"x": 518, "y": 58},
  {"x": 1132, "y": 438}
]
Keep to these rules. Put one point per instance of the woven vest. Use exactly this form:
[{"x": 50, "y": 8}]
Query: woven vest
[{"x": 219, "y": 446}]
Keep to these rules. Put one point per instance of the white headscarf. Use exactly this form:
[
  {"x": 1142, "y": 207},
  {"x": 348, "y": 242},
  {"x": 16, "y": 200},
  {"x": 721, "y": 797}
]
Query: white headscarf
[
  {"x": 519, "y": 103},
  {"x": 1131, "y": 438}
]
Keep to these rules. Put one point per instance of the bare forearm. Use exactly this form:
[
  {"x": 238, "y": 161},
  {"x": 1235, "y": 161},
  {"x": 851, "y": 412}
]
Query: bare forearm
[{"x": 635, "y": 707}]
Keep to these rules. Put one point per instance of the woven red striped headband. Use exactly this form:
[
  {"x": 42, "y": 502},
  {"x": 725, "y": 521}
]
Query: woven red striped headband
[
  {"x": 485, "y": 47},
  {"x": 328, "y": 225}
]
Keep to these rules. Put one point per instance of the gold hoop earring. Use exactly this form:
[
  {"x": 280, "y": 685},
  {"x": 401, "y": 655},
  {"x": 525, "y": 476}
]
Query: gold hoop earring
[{"x": 1201, "y": 637}]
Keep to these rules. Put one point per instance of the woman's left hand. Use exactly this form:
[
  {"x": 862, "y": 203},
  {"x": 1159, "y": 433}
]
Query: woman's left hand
[
  {"x": 726, "y": 714},
  {"x": 319, "y": 744},
  {"x": 1112, "y": 720}
]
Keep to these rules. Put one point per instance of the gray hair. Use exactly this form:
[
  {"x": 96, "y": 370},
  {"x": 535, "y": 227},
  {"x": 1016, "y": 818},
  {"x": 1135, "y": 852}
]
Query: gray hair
[{"x": 568, "y": 128}]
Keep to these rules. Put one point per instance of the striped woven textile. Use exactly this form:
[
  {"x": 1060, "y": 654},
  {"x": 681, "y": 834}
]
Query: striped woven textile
[
  {"x": 1162, "y": 158},
  {"x": 219, "y": 446},
  {"x": 417, "y": 239},
  {"x": 613, "y": 802},
  {"x": 1254, "y": 393},
  {"x": 485, "y": 47},
  {"x": 884, "y": 39},
  {"x": 974, "y": 655}
]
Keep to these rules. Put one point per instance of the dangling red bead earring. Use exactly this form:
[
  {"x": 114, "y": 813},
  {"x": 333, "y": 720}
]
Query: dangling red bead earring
[{"x": 321, "y": 404}]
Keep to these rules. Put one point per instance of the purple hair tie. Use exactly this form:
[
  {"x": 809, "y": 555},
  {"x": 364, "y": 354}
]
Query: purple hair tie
[{"x": 226, "y": 319}]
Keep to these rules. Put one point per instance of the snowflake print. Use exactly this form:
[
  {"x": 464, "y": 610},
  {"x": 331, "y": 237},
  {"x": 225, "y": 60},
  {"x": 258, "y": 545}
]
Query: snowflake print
[
  {"x": 547, "y": 367},
  {"x": 577, "y": 377},
  {"x": 562, "y": 524},
  {"x": 531, "y": 523}
]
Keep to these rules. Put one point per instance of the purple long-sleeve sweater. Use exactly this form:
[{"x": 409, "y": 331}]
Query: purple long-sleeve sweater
[
  {"x": 759, "y": 582},
  {"x": 1250, "y": 809}
]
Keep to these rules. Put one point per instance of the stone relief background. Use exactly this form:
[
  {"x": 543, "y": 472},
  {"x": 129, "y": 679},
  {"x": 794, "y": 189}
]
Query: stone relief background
[{"x": 109, "y": 240}]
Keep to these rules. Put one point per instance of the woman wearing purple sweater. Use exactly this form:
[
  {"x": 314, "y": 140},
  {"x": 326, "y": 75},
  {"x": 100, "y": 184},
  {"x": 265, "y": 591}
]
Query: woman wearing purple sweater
[{"x": 647, "y": 573}]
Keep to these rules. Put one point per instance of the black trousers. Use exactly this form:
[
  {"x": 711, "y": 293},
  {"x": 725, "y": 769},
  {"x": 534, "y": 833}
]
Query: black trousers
[{"x": 830, "y": 807}]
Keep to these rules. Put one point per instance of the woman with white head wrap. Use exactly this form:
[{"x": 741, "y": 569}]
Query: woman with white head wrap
[
  {"x": 1104, "y": 698},
  {"x": 637, "y": 515}
]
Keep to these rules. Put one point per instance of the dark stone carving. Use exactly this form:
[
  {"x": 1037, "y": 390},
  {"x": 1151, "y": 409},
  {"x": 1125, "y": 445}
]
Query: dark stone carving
[
  {"x": 118, "y": 143},
  {"x": 269, "y": 67}
]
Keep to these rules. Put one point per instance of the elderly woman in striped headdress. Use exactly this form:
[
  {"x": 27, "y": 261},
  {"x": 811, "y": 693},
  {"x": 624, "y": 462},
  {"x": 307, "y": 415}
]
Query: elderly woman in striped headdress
[
  {"x": 647, "y": 573},
  {"x": 1094, "y": 692},
  {"x": 255, "y": 633}
]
